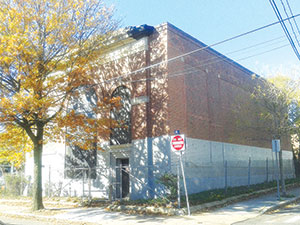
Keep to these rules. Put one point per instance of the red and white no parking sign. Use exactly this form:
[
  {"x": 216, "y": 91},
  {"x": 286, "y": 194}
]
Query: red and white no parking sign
[
  {"x": 178, "y": 146},
  {"x": 178, "y": 143}
]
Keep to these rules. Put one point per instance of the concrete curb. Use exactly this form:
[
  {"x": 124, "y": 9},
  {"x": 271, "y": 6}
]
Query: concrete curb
[
  {"x": 280, "y": 205},
  {"x": 146, "y": 209},
  {"x": 198, "y": 208}
]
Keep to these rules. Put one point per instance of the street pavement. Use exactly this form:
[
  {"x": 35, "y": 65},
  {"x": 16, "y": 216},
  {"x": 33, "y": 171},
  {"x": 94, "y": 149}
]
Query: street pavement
[
  {"x": 231, "y": 214},
  {"x": 287, "y": 215},
  {"x": 227, "y": 215}
]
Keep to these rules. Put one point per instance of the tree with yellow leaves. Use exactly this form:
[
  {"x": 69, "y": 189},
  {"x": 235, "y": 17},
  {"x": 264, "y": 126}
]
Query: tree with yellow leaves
[
  {"x": 14, "y": 143},
  {"x": 46, "y": 50}
]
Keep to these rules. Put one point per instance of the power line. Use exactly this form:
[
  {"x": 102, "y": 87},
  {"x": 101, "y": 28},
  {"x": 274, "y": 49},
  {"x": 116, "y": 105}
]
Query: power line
[
  {"x": 218, "y": 59},
  {"x": 281, "y": 21},
  {"x": 194, "y": 69},
  {"x": 199, "y": 49},
  {"x": 212, "y": 60},
  {"x": 291, "y": 25},
  {"x": 258, "y": 44},
  {"x": 288, "y": 4},
  {"x": 286, "y": 31}
]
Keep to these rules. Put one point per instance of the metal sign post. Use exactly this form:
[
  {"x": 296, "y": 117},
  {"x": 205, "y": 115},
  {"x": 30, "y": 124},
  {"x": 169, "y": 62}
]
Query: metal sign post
[
  {"x": 178, "y": 185},
  {"x": 184, "y": 183},
  {"x": 178, "y": 146},
  {"x": 276, "y": 149}
]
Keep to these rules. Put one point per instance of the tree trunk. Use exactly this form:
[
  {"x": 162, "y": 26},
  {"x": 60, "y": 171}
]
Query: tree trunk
[
  {"x": 283, "y": 190},
  {"x": 296, "y": 162},
  {"x": 37, "y": 185}
]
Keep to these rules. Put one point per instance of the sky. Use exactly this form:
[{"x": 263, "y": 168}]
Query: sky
[{"x": 266, "y": 52}]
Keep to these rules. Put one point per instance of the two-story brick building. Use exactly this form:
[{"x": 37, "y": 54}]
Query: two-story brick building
[{"x": 168, "y": 81}]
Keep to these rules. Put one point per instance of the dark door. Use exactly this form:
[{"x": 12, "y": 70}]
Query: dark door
[{"x": 122, "y": 177}]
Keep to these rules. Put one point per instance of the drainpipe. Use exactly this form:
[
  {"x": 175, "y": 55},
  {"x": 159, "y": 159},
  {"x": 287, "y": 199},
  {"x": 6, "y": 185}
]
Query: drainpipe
[{"x": 149, "y": 124}]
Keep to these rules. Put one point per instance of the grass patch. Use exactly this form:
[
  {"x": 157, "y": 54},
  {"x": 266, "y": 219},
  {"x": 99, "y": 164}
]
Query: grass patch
[
  {"x": 206, "y": 196},
  {"x": 158, "y": 202}
]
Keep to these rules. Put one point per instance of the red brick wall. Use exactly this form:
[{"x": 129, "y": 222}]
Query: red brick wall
[
  {"x": 210, "y": 96},
  {"x": 136, "y": 82},
  {"x": 205, "y": 95},
  {"x": 158, "y": 81}
]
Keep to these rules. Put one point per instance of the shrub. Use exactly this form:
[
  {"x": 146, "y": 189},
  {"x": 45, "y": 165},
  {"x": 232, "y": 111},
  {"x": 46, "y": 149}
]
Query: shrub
[
  {"x": 170, "y": 182},
  {"x": 14, "y": 185}
]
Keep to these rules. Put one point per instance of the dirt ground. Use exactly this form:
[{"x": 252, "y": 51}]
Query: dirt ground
[{"x": 20, "y": 212}]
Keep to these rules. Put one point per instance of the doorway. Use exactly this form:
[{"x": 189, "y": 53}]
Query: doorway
[{"x": 122, "y": 178}]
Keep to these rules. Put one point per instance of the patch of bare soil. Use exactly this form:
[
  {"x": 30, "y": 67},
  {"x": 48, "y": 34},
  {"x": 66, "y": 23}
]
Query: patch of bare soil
[{"x": 21, "y": 209}]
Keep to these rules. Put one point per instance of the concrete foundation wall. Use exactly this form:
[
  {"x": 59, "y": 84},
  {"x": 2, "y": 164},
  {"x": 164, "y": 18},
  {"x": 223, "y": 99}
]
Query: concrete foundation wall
[
  {"x": 208, "y": 165},
  {"x": 52, "y": 167}
]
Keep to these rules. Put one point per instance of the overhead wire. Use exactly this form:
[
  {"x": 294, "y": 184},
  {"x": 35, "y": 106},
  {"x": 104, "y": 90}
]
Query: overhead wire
[
  {"x": 288, "y": 4},
  {"x": 213, "y": 61},
  {"x": 193, "y": 69},
  {"x": 263, "y": 44},
  {"x": 216, "y": 59},
  {"x": 240, "y": 59},
  {"x": 291, "y": 25},
  {"x": 197, "y": 50},
  {"x": 210, "y": 61},
  {"x": 286, "y": 31}
]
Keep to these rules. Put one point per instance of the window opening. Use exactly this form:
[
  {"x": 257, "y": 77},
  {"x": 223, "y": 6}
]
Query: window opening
[{"x": 121, "y": 134}]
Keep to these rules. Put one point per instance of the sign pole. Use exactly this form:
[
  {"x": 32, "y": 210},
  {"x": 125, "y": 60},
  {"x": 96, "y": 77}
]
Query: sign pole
[
  {"x": 184, "y": 183},
  {"x": 178, "y": 145},
  {"x": 178, "y": 184},
  {"x": 275, "y": 148},
  {"x": 277, "y": 178}
]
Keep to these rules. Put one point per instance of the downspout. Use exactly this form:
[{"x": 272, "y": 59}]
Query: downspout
[
  {"x": 138, "y": 33},
  {"x": 149, "y": 124}
]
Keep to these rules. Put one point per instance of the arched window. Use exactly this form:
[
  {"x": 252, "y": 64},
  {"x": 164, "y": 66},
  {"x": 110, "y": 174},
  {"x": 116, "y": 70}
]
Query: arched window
[{"x": 121, "y": 134}]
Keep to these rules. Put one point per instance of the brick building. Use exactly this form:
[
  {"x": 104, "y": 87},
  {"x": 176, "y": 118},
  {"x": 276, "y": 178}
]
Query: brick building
[{"x": 168, "y": 81}]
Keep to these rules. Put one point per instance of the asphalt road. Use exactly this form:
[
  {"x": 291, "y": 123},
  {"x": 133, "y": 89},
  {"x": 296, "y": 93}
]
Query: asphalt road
[{"x": 287, "y": 215}]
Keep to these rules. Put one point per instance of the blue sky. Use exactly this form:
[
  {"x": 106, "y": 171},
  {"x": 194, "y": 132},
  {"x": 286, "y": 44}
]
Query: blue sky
[{"x": 211, "y": 21}]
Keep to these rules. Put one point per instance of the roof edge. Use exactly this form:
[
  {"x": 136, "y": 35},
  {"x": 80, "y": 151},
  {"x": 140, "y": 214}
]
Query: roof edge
[{"x": 211, "y": 49}]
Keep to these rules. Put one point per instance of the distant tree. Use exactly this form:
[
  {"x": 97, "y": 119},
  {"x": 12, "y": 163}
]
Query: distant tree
[
  {"x": 46, "y": 50},
  {"x": 294, "y": 120},
  {"x": 278, "y": 98}
]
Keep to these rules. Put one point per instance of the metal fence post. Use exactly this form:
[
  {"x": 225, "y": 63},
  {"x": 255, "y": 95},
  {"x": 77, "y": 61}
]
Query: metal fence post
[
  {"x": 267, "y": 170},
  {"x": 70, "y": 190},
  {"x": 226, "y": 176},
  {"x": 89, "y": 174},
  {"x": 249, "y": 172},
  {"x": 83, "y": 175},
  {"x": 21, "y": 182},
  {"x": 49, "y": 185},
  {"x": 121, "y": 181}
]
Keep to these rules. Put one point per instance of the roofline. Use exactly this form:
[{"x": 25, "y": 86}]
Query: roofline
[{"x": 210, "y": 49}]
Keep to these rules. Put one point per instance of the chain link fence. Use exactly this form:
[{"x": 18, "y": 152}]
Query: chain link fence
[{"x": 120, "y": 181}]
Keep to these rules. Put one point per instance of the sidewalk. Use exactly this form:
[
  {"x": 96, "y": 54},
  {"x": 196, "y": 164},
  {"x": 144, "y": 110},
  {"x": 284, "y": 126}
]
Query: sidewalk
[
  {"x": 248, "y": 209},
  {"x": 227, "y": 215}
]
